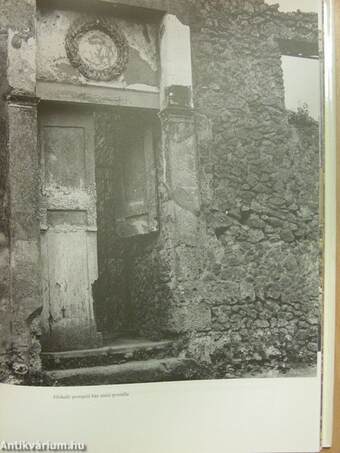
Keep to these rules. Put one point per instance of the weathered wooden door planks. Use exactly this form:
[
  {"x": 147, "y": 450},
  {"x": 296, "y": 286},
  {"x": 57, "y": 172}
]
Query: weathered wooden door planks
[{"x": 68, "y": 227}]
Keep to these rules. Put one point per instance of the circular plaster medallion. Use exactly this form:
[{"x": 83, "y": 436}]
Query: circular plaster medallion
[{"x": 97, "y": 49}]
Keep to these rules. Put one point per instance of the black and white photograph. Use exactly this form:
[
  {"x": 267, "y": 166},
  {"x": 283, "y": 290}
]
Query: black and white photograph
[{"x": 161, "y": 191}]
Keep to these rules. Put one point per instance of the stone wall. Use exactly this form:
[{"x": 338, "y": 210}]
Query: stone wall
[
  {"x": 260, "y": 190},
  {"x": 244, "y": 300}
]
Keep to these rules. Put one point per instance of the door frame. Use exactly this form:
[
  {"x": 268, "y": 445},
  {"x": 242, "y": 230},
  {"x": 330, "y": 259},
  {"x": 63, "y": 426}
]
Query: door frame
[{"x": 24, "y": 174}]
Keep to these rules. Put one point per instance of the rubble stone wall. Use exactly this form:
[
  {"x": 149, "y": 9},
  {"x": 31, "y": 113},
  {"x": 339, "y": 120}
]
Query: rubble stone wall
[
  {"x": 246, "y": 301},
  {"x": 260, "y": 190}
]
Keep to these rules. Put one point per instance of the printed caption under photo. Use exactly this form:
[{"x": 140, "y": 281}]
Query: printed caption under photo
[{"x": 90, "y": 396}]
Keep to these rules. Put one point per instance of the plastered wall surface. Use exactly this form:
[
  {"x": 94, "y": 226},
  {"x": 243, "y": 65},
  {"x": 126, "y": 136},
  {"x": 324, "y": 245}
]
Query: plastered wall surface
[{"x": 53, "y": 64}]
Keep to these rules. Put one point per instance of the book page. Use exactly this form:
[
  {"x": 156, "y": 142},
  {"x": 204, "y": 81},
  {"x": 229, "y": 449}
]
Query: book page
[{"x": 162, "y": 226}]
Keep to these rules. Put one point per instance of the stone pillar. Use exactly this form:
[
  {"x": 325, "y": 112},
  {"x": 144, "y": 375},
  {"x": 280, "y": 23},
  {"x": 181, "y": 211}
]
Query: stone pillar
[
  {"x": 180, "y": 174},
  {"x": 182, "y": 232},
  {"x": 5, "y": 315},
  {"x": 179, "y": 152},
  {"x": 26, "y": 304},
  {"x": 23, "y": 190}
]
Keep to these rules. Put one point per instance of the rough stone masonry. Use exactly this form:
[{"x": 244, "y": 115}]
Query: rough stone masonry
[
  {"x": 249, "y": 303},
  {"x": 260, "y": 186},
  {"x": 243, "y": 297}
]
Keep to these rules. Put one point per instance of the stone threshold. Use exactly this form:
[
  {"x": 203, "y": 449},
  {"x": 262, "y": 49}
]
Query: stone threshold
[
  {"x": 120, "y": 345},
  {"x": 146, "y": 371},
  {"x": 119, "y": 351}
]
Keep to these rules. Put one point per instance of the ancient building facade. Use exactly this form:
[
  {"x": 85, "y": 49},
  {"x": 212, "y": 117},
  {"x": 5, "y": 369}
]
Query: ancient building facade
[{"x": 153, "y": 185}]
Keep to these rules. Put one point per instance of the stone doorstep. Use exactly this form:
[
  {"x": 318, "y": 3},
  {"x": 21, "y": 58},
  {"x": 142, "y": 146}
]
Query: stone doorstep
[
  {"x": 169, "y": 369},
  {"x": 120, "y": 351}
]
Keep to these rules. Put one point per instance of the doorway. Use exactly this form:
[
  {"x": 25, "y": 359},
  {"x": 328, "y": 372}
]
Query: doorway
[{"x": 98, "y": 198}]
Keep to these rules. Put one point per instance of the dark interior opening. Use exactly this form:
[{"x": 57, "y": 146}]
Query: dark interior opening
[{"x": 123, "y": 181}]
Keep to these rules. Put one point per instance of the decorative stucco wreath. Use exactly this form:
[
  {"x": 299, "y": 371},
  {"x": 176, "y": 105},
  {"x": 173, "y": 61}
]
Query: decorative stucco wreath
[{"x": 82, "y": 26}]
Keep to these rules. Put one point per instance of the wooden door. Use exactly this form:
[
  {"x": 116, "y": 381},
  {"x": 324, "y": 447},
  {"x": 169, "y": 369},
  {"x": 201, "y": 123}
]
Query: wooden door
[{"x": 68, "y": 228}]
